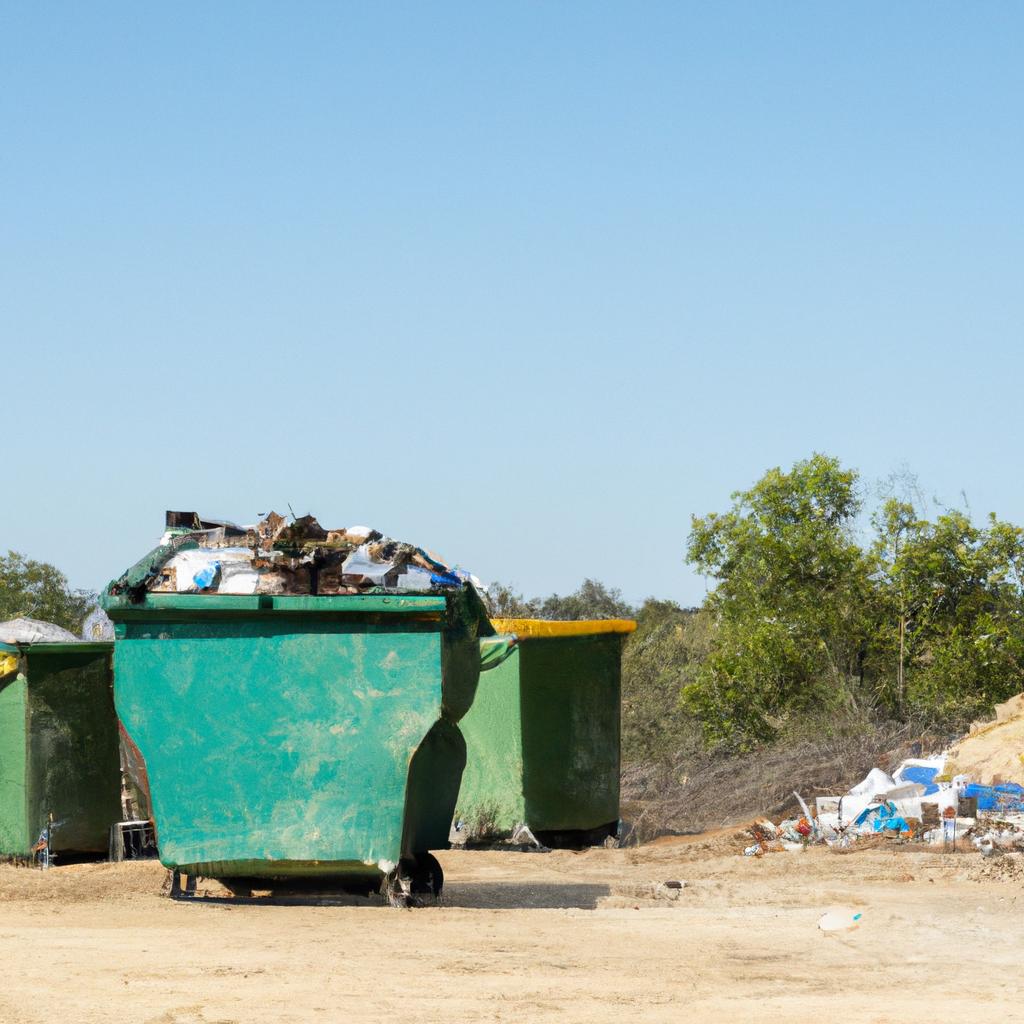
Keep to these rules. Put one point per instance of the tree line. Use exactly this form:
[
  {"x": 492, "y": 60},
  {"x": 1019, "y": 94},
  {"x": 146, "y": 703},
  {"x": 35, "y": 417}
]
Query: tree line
[{"x": 821, "y": 610}]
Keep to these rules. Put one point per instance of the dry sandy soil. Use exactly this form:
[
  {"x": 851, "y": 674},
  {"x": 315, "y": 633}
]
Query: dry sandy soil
[
  {"x": 993, "y": 752},
  {"x": 533, "y": 936}
]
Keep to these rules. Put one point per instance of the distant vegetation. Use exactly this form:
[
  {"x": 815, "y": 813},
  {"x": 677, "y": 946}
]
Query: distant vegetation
[
  {"x": 38, "y": 590},
  {"x": 826, "y": 616},
  {"x": 593, "y": 600}
]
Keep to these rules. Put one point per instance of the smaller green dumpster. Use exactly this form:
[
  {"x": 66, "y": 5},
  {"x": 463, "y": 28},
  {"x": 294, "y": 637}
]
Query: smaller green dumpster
[
  {"x": 543, "y": 735},
  {"x": 59, "y": 760}
]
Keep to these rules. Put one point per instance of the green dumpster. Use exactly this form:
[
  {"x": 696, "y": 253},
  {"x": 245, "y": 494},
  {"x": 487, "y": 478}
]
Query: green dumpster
[
  {"x": 59, "y": 763},
  {"x": 542, "y": 736},
  {"x": 299, "y": 737}
]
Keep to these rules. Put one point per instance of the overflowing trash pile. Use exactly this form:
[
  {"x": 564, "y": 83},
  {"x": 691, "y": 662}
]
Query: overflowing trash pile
[
  {"x": 278, "y": 555},
  {"x": 919, "y": 802}
]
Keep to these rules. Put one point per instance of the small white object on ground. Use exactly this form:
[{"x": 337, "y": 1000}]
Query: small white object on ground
[{"x": 839, "y": 920}]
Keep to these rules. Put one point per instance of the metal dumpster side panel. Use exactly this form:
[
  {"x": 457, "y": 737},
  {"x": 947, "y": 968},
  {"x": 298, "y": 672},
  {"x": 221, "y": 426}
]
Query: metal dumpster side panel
[
  {"x": 73, "y": 764},
  {"x": 491, "y": 796},
  {"x": 570, "y": 694},
  {"x": 435, "y": 774},
  {"x": 278, "y": 740},
  {"x": 15, "y": 838}
]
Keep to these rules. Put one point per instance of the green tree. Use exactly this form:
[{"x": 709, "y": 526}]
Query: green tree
[
  {"x": 903, "y": 595},
  {"x": 790, "y": 605},
  {"x": 591, "y": 600},
  {"x": 951, "y": 612},
  {"x": 38, "y": 590},
  {"x": 504, "y": 602},
  {"x": 660, "y": 658}
]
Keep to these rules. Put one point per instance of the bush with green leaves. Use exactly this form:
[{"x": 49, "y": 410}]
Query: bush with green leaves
[
  {"x": 924, "y": 621},
  {"x": 38, "y": 590}
]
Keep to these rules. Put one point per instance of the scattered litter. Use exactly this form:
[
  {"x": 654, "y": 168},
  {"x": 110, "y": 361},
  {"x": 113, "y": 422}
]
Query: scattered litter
[
  {"x": 881, "y": 817},
  {"x": 803, "y": 806},
  {"x": 523, "y": 836},
  {"x": 839, "y": 920},
  {"x": 873, "y": 784},
  {"x": 1005, "y": 798},
  {"x": 920, "y": 802},
  {"x": 922, "y": 771}
]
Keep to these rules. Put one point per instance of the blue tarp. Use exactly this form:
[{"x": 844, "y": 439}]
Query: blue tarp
[
  {"x": 921, "y": 775},
  {"x": 1007, "y": 797},
  {"x": 882, "y": 818}
]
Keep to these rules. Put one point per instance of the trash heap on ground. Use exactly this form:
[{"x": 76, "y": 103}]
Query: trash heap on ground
[
  {"x": 278, "y": 556},
  {"x": 957, "y": 799}
]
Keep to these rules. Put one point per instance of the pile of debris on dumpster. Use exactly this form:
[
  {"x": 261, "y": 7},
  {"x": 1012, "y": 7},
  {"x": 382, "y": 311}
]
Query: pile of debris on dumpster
[
  {"x": 278, "y": 555},
  {"x": 920, "y": 802}
]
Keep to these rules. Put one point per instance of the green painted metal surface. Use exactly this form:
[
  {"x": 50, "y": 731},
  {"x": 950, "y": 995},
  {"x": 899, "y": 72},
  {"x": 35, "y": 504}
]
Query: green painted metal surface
[
  {"x": 59, "y": 749},
  {"x": 74, "y": 764},
  {"x": 491, "y": 797},
  {"x": 570, "y": 689},
  {"x": 543, "y": 738},
  {"x": 14, "y": 828},
  {"x": 281, "y": 741}
]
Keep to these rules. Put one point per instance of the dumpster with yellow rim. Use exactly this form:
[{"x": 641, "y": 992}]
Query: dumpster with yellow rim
[{"x": 543, "y": 735}]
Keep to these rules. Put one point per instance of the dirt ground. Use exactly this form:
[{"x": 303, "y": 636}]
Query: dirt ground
[
  {"x": 562, "y": 936},
  {"x": 994, "y": 751}
]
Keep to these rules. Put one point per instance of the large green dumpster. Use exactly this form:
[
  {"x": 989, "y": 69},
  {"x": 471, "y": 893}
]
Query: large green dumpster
[
  {"x": 59, "y": 762},
  {"x": 295, "y": 736},
  {"x": 542, "y": 736}
]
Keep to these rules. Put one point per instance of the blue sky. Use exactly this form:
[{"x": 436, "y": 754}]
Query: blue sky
[{"x": 527, "y": 285}]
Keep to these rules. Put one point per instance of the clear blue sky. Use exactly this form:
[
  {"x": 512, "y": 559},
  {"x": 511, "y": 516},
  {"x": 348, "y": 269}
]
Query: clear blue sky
[{"x": 528, "y": 285}]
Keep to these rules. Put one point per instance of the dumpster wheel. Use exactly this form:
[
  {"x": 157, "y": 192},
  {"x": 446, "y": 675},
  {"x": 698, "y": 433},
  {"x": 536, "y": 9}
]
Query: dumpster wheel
[
  {"x": 427, "y": 878},
  {"x": 415, "y": 882}
]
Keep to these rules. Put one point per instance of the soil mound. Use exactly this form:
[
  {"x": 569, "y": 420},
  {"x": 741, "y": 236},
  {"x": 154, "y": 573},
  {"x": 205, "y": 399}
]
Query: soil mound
[{"x": 993, "y": 752}]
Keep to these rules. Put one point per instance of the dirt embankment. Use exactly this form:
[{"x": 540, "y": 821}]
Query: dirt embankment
[
  {"x": 993, "y": 752},
  {"x": 592, "y": 936}
]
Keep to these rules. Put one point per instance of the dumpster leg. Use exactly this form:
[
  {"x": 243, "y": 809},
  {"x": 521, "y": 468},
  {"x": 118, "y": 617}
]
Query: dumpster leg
[
  {"x": 427, "y": 878},
  {"x": 177, "y": 892},
  {"x": 415, "y": 882},
  {"x": 397, "y": 886}
]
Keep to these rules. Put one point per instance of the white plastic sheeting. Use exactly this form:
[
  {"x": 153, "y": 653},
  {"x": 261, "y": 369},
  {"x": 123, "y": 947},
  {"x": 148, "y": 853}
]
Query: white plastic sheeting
[
  {"x": 360, "y": 563},
  {"x": 195, "y": 569},
  {"x": 34, "y": 631}
]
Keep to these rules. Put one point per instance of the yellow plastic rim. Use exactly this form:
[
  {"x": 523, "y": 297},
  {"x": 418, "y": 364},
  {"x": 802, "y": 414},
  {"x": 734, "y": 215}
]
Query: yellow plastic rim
[{"x": 551, "y": 627}]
